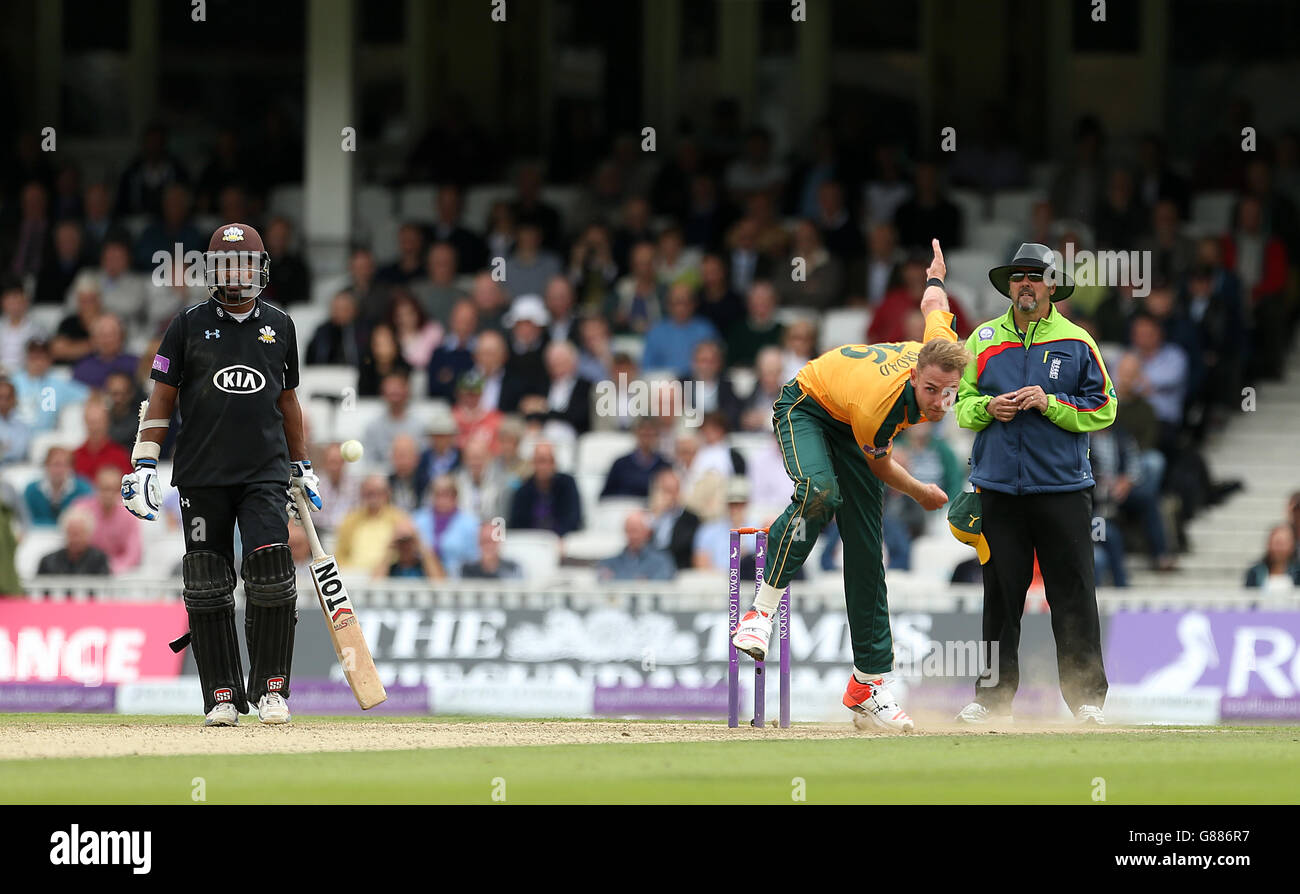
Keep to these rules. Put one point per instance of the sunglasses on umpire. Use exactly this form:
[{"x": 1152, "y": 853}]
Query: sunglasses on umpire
[{"x": 1020, "y": 275}]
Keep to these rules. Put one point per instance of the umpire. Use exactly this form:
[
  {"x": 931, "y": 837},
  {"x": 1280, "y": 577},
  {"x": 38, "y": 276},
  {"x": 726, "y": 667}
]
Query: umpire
[{"x": 1035, "y": 390}]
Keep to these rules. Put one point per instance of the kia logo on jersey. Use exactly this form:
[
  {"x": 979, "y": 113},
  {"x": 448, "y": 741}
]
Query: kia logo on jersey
[{"x": 239, "y": 379}]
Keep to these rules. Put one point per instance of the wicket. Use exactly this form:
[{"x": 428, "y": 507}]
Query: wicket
[{"x": 733, "y": 619}]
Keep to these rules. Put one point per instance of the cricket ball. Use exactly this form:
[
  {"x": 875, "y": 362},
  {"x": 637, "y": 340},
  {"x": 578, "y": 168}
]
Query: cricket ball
[{"x": 351, "y": 450}]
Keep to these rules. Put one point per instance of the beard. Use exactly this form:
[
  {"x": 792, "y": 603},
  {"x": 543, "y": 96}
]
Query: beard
[{"x": 1027, "y": 301}]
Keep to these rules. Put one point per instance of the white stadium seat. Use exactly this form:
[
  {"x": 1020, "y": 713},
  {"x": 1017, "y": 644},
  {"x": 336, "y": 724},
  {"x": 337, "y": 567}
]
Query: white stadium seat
[
  {"x": 374, "y": 205},
  {"x": 320, "y": 418},
  {"x": 592, "y": 545},
  {"x": 306, "y": 320},
  {"x": 590, "y": 485},
  {"x": 632, "y": 345},
  {"x": 19, "y": 475},
  {"x": 1016, "y": 205},
  {"x": 844, "y": 326},
  {"x": 36, "y": 543},
  {"x": 415, "y": 202},
  {"x": 479, "y": 201},
  {"x": 352, "y": 419},
  {"x": 41, "y": 444},
  {"x": 994, "y": 236},
  {"x": 934, "y": 558},
  {"x": 1212, "y": 210},
  {"x": 610, "y": 513},
  {"x": 565, "y": 199},
  {"x": 971, "y": 203},
  {"x": 326, "y": 381},
  {"x": 597, "y": 450},
  {"x": 326, "y": 287},
  {"x": 46, "y": 316},
  {"x": 161, "y": 556},
  {"x": 286, "y": 200},
  {"x": 536, "y": 552}
]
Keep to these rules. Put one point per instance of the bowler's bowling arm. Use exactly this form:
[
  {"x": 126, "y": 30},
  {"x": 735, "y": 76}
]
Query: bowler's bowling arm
[{"x": 895, "y": 476}]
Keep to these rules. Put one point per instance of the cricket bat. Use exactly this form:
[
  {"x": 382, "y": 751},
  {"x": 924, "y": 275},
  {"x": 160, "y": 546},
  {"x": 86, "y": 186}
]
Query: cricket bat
[{"x": 341, "y": 618}]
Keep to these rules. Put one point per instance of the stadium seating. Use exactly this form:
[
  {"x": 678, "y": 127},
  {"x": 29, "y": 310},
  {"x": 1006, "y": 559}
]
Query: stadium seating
[
  {"x": 843, "y": 326},
  {"x": 598, "y": 449},
  {"x": 326, "y": 381},
  {"x": 592, "y": 545},
  {"x": 36, "y": 543},
  {"x": 536, "y": 552},
  {"x": 1212, "y": 210}
]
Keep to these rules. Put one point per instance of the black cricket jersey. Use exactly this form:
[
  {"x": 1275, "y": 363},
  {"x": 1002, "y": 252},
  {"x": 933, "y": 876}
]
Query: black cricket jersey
[{"x": 230, "y": 375}]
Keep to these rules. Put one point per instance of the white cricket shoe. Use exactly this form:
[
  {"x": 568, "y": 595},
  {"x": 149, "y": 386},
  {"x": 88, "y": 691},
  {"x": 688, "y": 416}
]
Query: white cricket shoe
[
  {"x": 1089, "y": 715},
  {"x": 978, "y": 715},
  {"x": 224, "y": 714},
  {"x": 875, "y": 702},
  {"x": 272, "y": 708},
  {"x": 753, "y": 634}
]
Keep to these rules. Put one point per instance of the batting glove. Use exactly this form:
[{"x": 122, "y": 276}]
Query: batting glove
[
  {"x": 302, "y": 477},
  {"x": 141, "y": 492}
]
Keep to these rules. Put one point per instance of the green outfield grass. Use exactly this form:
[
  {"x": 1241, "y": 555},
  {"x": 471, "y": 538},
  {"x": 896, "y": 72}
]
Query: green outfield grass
[{"x": 1244, "y": 765}]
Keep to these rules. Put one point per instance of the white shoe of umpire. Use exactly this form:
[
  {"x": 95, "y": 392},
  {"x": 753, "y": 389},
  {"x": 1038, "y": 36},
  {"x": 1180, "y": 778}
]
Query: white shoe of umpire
[
  {"x": 753, "y": 634},
  {"x": 272, "y": 708},
  {"x": 224, "y": 714},
  {"x": 1089, "y": 715},
  {"x": 978, "y": 715},
  {"x": 877, "y": 704}
]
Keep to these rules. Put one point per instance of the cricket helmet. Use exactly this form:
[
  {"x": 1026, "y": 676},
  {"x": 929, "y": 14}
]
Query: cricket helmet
[{"x": 236, "y": 266}]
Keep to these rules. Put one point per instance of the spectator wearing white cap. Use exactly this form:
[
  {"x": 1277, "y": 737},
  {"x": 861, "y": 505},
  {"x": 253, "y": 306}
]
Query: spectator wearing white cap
[
  {"x": 526, "y": 368},
  {"x": 442, "y": 456},
  {"x": 569, "y": 397}
]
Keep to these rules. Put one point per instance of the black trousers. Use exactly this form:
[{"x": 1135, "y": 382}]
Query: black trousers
[
  {"x": 1058, "y": 527},
  {"x": 209, "y": 515}
]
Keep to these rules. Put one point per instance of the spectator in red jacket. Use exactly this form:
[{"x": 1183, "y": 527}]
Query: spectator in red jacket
[
  {"x": 1259, "y": 259},
  {"x": 887, "y": 322},
  {"x": 99, "y": 450}
]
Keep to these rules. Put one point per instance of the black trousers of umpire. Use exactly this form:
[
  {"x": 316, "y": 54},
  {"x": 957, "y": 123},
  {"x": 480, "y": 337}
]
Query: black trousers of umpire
[{"x": 1058, "y": 527}]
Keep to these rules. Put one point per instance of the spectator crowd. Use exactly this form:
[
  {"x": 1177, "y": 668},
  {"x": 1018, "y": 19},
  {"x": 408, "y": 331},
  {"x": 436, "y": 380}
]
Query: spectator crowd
[{"x": 717, "y": 263}]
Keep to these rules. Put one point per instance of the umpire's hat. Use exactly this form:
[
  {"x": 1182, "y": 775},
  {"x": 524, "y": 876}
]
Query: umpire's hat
[
  {"x": 1035, "y": 256},
  {"x": 964, "y": 520}
]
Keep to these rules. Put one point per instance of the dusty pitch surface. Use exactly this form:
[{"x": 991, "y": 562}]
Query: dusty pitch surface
[{"x": 37, "y": 739}]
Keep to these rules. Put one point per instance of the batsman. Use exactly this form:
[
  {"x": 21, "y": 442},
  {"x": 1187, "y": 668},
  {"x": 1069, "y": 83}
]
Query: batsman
[
  {"x": 836, "y": 422},
  {"x": 231, "y": 362}
]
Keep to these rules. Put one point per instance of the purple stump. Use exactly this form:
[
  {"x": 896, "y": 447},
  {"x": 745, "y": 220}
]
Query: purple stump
[
  {"x": 760, "y": 670},
  {"x": 733, "y": 619},
  {"x": 783, "y": 619}
]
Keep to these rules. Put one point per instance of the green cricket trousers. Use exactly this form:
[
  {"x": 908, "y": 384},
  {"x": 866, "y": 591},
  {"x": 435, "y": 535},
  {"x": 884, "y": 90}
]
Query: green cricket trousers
[{"x": 832, "y": 479}]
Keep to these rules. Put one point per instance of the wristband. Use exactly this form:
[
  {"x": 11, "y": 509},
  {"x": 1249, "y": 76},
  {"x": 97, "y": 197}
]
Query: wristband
[
  {"x": 146, "y": 450},
  {"x": 934, "y": 281}
]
